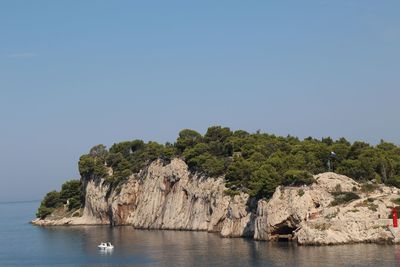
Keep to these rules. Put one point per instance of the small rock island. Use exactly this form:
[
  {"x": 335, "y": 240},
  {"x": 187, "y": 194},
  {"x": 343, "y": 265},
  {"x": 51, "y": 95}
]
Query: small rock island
[{"x": 237, "y": 184}]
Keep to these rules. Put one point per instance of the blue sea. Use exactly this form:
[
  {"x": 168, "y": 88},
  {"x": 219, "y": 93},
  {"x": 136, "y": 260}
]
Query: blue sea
[{"x": 23, "y": 244}]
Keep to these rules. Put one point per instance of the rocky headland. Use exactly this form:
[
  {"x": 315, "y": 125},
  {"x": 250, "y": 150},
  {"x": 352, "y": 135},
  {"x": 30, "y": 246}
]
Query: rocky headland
[{"x": 333, "y": 210}]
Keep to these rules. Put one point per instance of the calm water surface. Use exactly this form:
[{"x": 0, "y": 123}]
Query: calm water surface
[{"x": 27, "y": 245}]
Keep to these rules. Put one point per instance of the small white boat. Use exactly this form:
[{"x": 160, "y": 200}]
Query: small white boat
[{"x": 104, "y": 245}]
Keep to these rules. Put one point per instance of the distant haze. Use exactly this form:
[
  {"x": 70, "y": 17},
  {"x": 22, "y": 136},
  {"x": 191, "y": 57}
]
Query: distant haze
[{"x": 76, "y": 74}]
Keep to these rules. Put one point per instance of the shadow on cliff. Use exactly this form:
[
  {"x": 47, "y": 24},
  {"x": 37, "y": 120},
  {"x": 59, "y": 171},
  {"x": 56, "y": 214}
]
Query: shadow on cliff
[{"x": 249, "y": 229}]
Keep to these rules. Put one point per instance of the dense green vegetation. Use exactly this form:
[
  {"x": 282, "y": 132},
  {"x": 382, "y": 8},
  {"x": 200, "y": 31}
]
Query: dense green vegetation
[
  {"x": 255, "y": 163},
  {"x": 70, "y": 193}
]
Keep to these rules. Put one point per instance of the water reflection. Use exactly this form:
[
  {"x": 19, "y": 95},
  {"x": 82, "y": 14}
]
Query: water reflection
[
  {"x": 175, "y": 248},
  {"x": 28, "y": 245},
  {"x": 106, "y": 252}
]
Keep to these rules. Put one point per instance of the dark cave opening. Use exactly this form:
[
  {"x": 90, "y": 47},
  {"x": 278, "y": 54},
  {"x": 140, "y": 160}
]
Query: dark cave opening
[{"x": 284, "y": 233}]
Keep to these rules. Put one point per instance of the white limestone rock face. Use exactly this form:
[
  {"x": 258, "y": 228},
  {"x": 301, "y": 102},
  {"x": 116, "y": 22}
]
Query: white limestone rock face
[
  {"x": 286, "y": 209},
  {"x": 165, "y": 197},
  {"x": 169, "y": 196},
  {"x": 260, "y": 223},
  {"x": 306, "y": 213},
  {"x": 330, "y": 181},
  {"x": 96, "y": 205},
  {"x": 239, "y": 222},
  {"x": 123, "y": 201}
]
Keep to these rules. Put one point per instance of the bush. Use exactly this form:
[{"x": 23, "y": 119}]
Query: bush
[
  {"x": 231, "y": 192},
  {"x": 338, "y": 188},
  {"x": 396, "y": 201},
  {"x": 394, "y": 181},
  {"x": 300, "y": 193},
  {"x": 297, "y": 178},
  {"x": 52, "y": 200},
  {"x": 369, "y": 203},
  {"x": 74, "y": 203},
  {"x": 368, "y": 188},
  {"x": 70, "y": 192},
  {"x": 43, "y": 212},
  {"x": 70, "y": 189},
  {"x": 343, "y": 197}
]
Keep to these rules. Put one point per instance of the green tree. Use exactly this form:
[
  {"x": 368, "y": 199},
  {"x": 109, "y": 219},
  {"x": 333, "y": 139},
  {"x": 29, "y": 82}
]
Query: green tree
[
  {"x": 99, "y": 151},
  {"x": 217, "y": 133},
  {"x": 50, "y": 202},
  {"x": 187, "y": 139},
  {"x": 86, "y": 166},
  {"x": 239, "y": 174},
  {"x": 264, "y": 181},
  {"x": 70, "y": 189}
]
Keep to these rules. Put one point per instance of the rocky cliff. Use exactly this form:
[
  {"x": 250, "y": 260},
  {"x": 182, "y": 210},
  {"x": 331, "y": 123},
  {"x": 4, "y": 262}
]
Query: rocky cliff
[
  {"x": 169, "y": 196},
  {"x": 309, "y": 216},
  {"x": 165, "y": 197}
]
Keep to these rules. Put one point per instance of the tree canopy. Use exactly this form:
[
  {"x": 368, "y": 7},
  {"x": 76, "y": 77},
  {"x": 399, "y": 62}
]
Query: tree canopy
[
  {"x": 251, "y": 162},
  {"x": 255, "y": 163}
]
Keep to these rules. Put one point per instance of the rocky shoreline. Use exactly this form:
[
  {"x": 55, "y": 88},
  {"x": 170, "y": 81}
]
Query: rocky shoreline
[{"x": 170, "y": 197}]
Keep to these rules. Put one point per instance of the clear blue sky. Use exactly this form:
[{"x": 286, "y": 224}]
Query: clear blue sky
[{"x": 74, "y": 74}]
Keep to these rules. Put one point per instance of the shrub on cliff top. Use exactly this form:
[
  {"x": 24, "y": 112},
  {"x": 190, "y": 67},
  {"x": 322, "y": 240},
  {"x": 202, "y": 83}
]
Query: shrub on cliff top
[
  {"x": 92, "y": 167},
  {"x": 297, "y": 178},
  {"x": 70, "y": 192}
]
